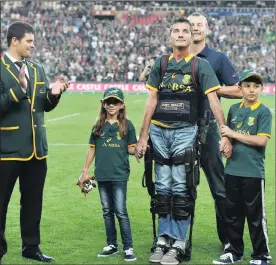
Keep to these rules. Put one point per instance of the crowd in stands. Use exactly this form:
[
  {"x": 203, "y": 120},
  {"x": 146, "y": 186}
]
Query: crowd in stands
[{"x": 72, "y": 41}]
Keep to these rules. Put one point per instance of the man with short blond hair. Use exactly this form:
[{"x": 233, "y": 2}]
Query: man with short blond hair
[{"x": 211, "y": 161}]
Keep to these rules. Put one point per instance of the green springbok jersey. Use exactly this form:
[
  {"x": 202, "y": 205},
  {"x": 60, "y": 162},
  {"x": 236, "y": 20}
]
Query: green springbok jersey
[
  {"x": 248, "y": 160},
  {"x": 173, "y": 79},
  {"x": 111, "y": 152}
]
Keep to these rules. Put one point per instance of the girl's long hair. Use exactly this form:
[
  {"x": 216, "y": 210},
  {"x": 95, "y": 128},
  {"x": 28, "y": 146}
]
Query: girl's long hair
[{"x": 99, "y": 125}]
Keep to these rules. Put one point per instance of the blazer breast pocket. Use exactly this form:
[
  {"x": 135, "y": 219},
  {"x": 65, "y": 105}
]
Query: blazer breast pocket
[{"x": 40, "y": 90}]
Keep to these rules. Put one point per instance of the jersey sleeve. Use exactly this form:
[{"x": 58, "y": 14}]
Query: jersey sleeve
[
  {"x": 92, "y": 139},
  {"x": 154, "y": 78},
  {"x": 227, "y": 73},
  {"x": 131, "y": 135},
  {"x": 265, "y": 123},
  {"x": 229, "y": 117},
  {"x": 208, "y": 81}
]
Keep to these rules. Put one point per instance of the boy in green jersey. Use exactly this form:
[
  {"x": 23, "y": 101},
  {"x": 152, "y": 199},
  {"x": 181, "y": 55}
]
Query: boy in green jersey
[{"x": 249, "y": 127}]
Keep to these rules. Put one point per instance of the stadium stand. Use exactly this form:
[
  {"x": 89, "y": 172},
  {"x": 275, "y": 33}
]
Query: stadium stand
[{"x": 105, "y": 41}]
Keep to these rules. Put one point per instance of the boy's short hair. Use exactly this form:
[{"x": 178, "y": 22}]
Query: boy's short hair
[{"x": 251, "y": 76}]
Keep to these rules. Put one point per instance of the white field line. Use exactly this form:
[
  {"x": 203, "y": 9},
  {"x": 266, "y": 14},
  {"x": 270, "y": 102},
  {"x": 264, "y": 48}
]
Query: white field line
[
  {"x": 64, "y": 117},
  {"x": 138, "y": 101}
]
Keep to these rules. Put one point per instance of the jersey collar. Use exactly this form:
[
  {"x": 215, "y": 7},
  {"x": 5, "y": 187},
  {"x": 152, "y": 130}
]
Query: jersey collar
[
  {"x": 253, "y": 107},
  {"x": 112, "y": 123},
  {"x": 187, "y": 59}
]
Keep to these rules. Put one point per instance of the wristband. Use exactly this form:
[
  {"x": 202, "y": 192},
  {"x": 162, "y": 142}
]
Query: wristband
[{"x": 85, "y": 169}]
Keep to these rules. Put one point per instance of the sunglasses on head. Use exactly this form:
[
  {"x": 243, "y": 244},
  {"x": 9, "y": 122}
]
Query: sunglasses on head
[{"x": 112, "y": 101}]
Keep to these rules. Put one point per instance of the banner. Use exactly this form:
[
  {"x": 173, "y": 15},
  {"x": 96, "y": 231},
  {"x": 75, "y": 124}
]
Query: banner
[
  {"x": 269, "y": 89},
  {"x": 100, "y": 87},
  {"x": 129, "y": 87}
]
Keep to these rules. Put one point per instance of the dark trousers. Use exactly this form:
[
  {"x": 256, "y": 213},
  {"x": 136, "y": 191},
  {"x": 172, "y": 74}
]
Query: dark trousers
[
  {"x": 212, "y": 165},
  {"x": 245, "y": 199},
  {"x": 31, "y": 180},
  {"x": 113, "y": 196}
]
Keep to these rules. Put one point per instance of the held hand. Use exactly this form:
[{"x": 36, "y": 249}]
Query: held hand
[
  {"x": 22, "y": 77},
  {"x": 140, "y": 148},
  {"x": 59, "y": 86},
  {"x": 225, "y": 147},
  {"x": 226, "y": 131}
]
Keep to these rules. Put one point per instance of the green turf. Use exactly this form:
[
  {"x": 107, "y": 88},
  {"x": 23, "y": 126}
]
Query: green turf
[{"x": 72, "y": 228}]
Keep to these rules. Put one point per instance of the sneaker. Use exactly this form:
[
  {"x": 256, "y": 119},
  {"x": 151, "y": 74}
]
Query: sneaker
[
  {"x": 108, "y": 251},
  {"x": 129, "y": 255},
  {"x": 268, "y": 257},
  {"x": 258, "y": 262},
  {"x": 227, "y": 258},
  {"x": 157, "y": 255},
  {"x": 170, "y": 257}
]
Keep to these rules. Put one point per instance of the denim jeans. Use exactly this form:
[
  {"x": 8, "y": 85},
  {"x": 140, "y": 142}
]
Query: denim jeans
[
  {"x": 113, "y": 199},
  {"x": 171, "y": 180}
]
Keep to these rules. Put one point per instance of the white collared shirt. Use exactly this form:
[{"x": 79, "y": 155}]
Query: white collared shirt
[
  {"x": 26, "y": 68},
  {"x": 14, "y": 60}
]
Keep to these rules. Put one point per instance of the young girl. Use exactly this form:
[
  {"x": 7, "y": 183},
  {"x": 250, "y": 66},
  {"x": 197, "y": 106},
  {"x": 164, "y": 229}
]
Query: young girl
[
  {"x": 112, "y": 139},
  {"x": 249, "y": 127}
]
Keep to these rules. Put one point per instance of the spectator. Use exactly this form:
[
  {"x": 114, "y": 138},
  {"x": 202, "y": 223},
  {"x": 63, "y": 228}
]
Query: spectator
[{"x": 64, "y": 28}]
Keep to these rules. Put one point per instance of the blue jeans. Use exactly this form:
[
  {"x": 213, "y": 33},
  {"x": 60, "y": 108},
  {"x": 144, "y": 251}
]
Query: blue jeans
[
  {"x": 171, "y": 180},
  {"x": 113, "y": 199}
]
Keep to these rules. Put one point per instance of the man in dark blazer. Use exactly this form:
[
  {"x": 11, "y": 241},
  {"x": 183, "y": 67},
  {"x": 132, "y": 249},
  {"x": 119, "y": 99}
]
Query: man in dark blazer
[{"x": 25, "y": 95}]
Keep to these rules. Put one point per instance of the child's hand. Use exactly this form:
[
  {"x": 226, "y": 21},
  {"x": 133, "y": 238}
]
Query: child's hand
[
  {"x": 140, "y": 148},
  {"x": 226, "y": 131},
  {"x": 83, "y": 177},
  {"x": 86, "y": 183},
  {"x": 225, "y": 147}
]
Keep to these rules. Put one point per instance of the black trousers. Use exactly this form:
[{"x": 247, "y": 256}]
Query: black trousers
[
  {"x": 245, "y": 197},
  {"x": 212, "y": 165},
  {"x": 31, "y": 176}
]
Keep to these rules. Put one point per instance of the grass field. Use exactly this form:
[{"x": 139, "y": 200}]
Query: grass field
[{"x": 72, "y": 228}]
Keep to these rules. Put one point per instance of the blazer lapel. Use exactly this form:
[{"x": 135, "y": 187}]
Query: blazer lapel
[{"x": 11, "y": 68}]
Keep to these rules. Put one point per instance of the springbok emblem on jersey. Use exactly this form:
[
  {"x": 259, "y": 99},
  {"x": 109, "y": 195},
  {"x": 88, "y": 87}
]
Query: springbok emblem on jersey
[{"x": 251, "y": 121}]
